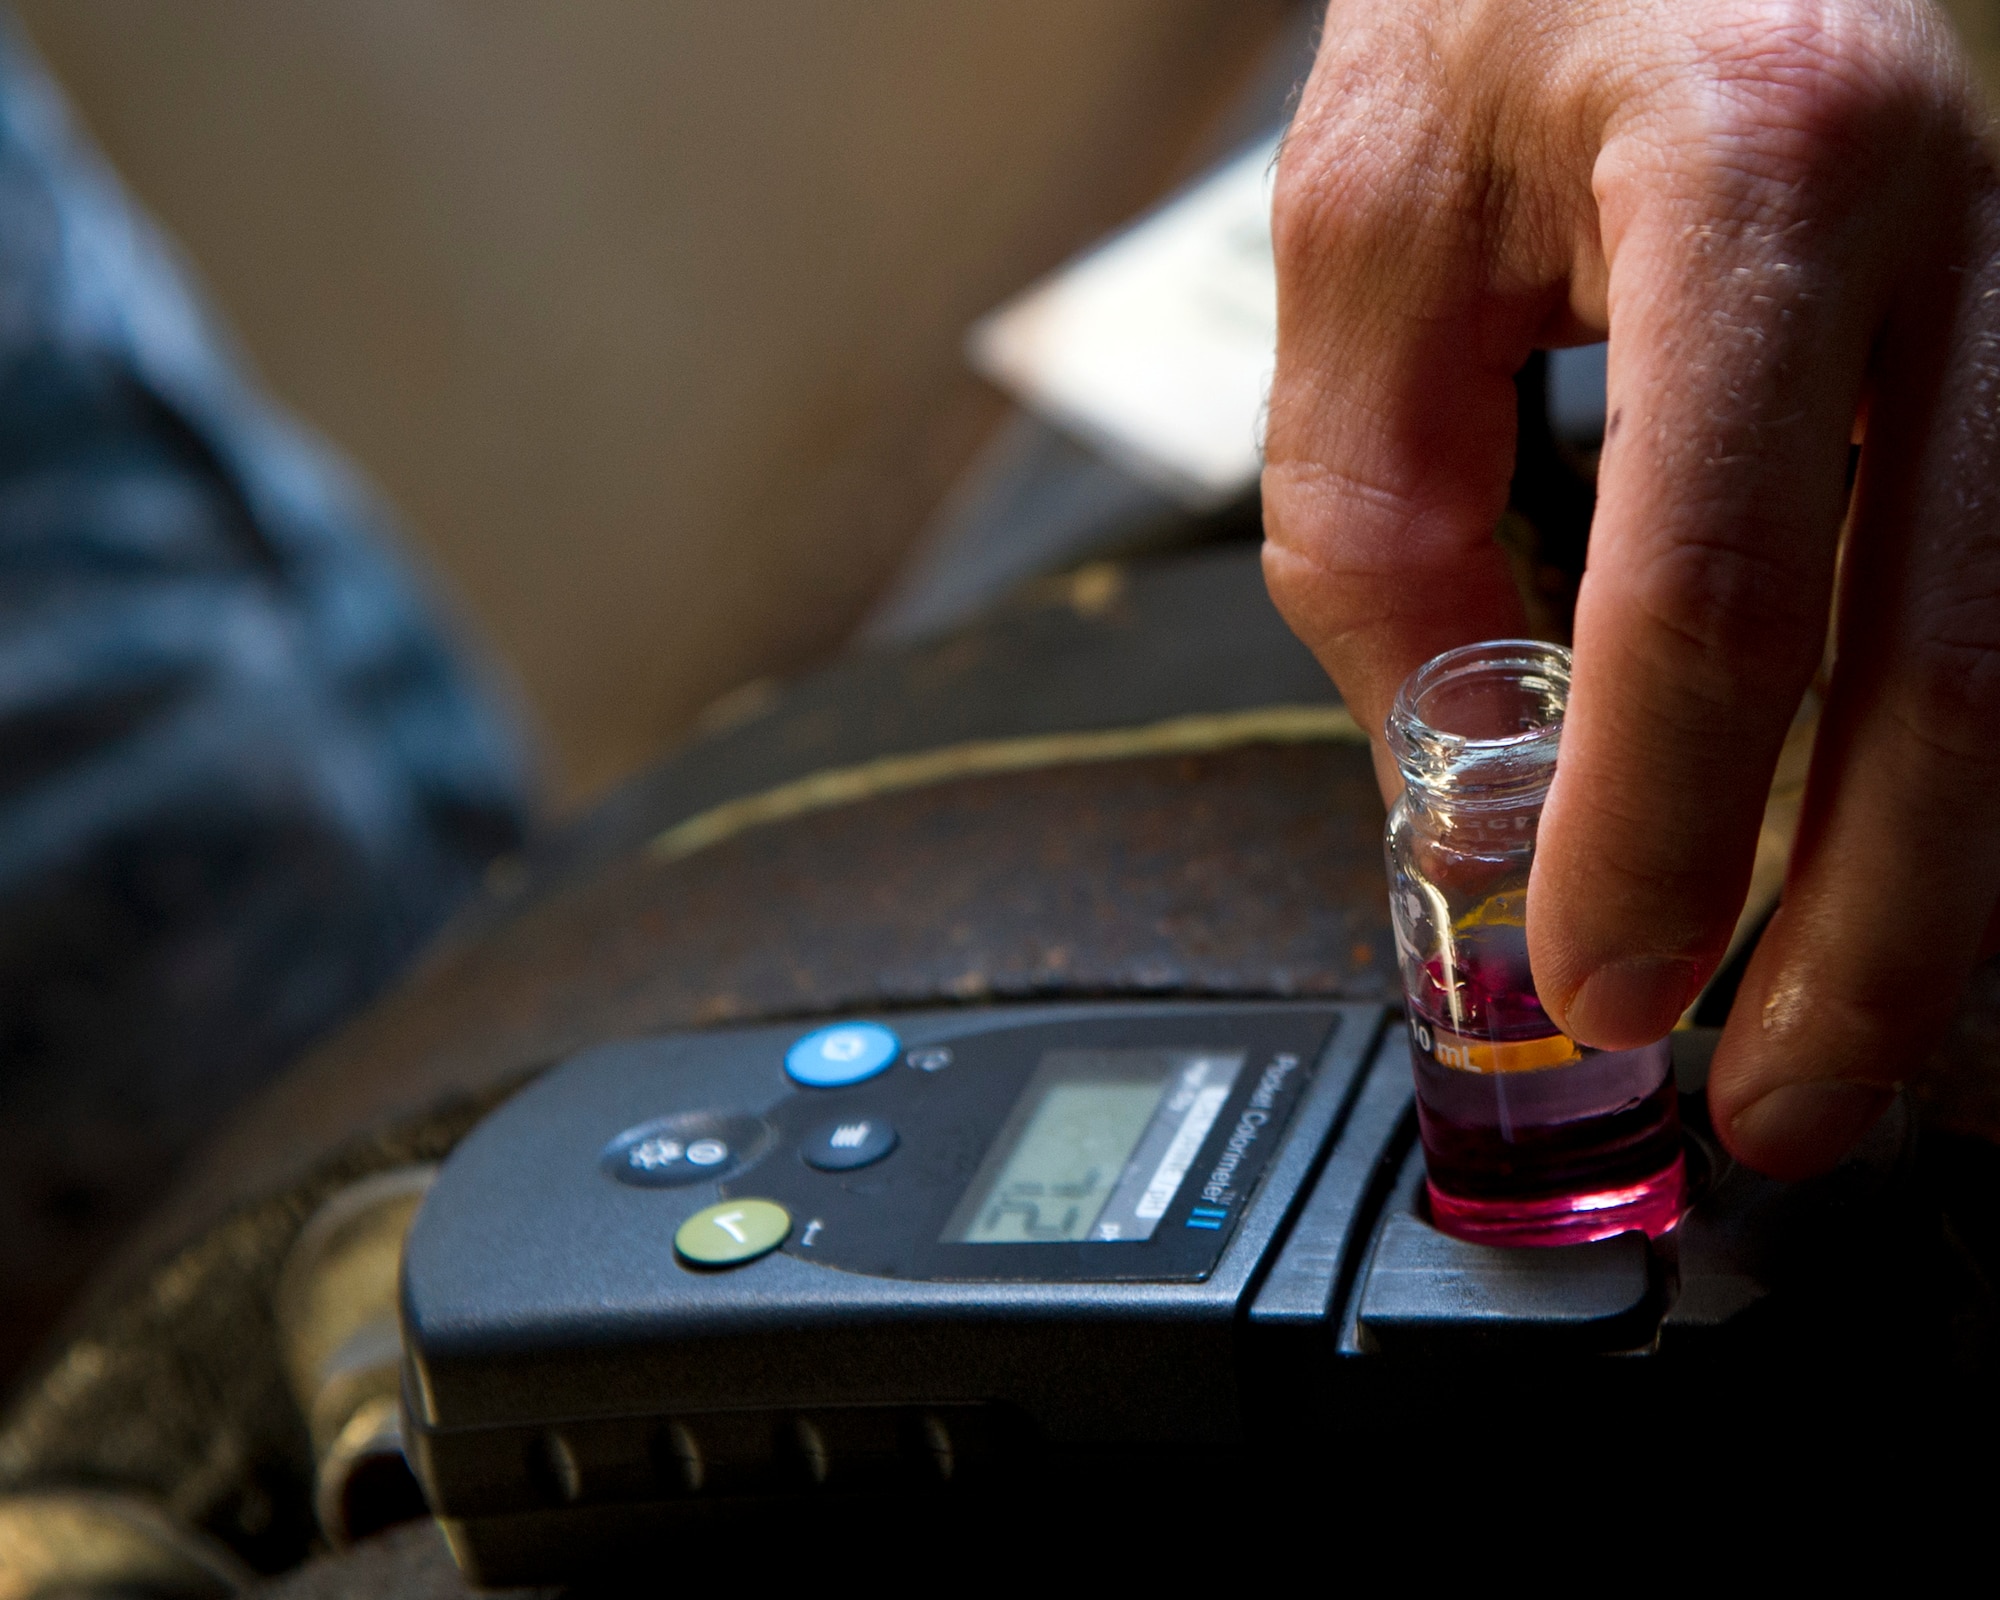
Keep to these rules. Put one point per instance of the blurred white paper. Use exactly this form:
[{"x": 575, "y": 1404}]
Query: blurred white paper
[{"x": 1157, "y": 347}]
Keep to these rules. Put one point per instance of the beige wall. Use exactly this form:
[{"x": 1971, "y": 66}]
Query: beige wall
[{"x": 644, "y": 313}]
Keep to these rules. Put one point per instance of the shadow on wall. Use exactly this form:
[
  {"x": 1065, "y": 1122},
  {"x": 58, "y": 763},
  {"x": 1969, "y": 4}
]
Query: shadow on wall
[{"x": 647, "y": 316}]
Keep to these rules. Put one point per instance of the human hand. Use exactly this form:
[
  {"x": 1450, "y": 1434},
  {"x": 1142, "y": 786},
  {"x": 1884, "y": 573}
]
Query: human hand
[{"x": 1786, "y": 217}]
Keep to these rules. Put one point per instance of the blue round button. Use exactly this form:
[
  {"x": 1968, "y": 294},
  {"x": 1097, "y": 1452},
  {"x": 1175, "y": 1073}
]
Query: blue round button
[{"x": 829, "y": 1058}]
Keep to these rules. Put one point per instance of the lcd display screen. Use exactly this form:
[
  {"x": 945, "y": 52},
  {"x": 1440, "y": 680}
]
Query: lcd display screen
[{"x": 1096, "y": 1147}]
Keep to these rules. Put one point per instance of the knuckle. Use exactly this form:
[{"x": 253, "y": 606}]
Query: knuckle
[
  {"x": 1659, "y": 827},
  {"x": 1392, "y": 526},
  {"x": 1797, "y": 90},
  {"x": 1731, "y": 617},
  {"x": 1946, "y": 692},
  {"x": 1367, "y": 160},
  {"x": 1680, "y": 879},
  {"x": 1822, "y": 63},
  {"x": 1338, "y": 195}
]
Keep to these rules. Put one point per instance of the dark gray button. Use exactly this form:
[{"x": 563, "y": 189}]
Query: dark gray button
[
  {"x": 849, "y": 1142},
  {"x": 695, "y": 1147}
]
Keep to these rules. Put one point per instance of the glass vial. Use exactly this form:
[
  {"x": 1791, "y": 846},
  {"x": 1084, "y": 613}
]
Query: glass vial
[{"x": 1529, "y": 1137}]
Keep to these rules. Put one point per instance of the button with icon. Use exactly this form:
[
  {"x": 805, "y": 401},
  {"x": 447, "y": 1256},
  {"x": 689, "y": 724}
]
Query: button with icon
[
  {"x": 696, "y": 1147},
  {"x": 847, "y": 1052},
  {"x": 849, "y": 1142},
  {"x": 729, "y": 1234}
]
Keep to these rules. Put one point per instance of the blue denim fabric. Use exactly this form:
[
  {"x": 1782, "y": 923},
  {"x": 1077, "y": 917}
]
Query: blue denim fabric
[{"x": 244, "y": 770}]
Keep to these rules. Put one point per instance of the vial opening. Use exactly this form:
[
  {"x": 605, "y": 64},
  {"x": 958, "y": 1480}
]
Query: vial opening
[{"x": 1482, "y": 722}]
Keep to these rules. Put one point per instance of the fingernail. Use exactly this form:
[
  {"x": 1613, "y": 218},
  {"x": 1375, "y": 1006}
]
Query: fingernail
[
  {"x": 1630, "y": 1003},
  {"x": 1804, "y": 1128}
]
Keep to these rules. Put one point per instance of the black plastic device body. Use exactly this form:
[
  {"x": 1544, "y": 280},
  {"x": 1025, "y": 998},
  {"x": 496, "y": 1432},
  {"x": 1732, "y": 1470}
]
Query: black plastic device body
[{"x": 1291, "y": 1327}]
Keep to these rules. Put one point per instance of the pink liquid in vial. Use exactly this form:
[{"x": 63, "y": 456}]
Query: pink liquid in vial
[{"x": 1518, "y": 1153}]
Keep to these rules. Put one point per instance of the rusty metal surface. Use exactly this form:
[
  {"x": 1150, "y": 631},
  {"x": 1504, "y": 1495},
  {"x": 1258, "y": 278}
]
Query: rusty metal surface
[{"x": 1106, "y": 647}]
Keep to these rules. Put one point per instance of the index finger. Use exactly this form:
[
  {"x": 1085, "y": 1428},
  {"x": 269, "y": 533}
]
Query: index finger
[
  {"x": 1746, "y": 282},
  {"x": 1391, "y": 432}
]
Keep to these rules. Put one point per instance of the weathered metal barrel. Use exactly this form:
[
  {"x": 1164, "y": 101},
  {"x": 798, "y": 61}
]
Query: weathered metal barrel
[{"x": 1132, "y": 782}]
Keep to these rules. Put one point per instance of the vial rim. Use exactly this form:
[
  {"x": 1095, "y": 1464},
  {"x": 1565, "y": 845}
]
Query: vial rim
[{"x": 1472, "y": 771}]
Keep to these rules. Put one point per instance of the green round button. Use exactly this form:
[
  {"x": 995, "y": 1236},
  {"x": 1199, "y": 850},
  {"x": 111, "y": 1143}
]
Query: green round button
[{"x": 733, "y": 1232}]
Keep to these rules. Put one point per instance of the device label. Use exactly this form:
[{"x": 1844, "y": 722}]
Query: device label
[{"x": 1220, "y": 1188}]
